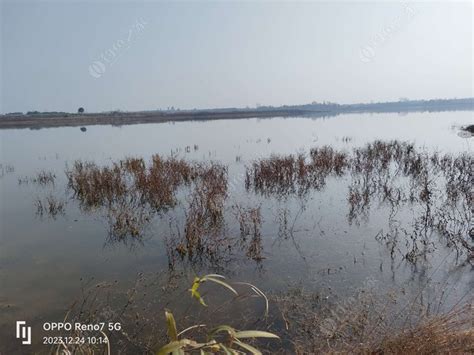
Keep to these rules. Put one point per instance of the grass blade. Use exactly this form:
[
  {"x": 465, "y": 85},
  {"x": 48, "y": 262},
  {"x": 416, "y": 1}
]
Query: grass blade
[
  {"x": 255, "y": 334},
  {"x": 190, "y": 328},
  {"x": 171, "y": 326},
  {"x": 248, "y": 347},
  {"x": 220, "y": 282}
]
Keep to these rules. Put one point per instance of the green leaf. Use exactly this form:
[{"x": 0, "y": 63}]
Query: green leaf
[
  {"x": 197, "y": 295},
  {"x": 196, "y": 283},
  {"x": 194, "y": 290},
  {"x": 171, "y": 325},
  {"x": 255, "y": 334},
  {"x": 173, "y": 347},
  {"x": 248, "y": 347}
]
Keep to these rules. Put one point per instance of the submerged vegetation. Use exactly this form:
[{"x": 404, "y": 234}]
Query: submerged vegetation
[
  {"x": 204, "y": 215},
  {"x": 393, "y": 174},
  {"x": 131, "y": 192},
  {"x": 283, "y": 175},
  {"x": 6, "y": 169},
  {"x": 194, "y": 199},
  {"x": 42, "y": 178},
  {"x": 250, "y": 222},
  {"x": 131, "y": 180},
  {"x": 50, "y": 206}
]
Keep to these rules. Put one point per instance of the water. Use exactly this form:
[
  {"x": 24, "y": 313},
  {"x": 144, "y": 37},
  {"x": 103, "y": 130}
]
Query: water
[{"x": 44, "y": 261}]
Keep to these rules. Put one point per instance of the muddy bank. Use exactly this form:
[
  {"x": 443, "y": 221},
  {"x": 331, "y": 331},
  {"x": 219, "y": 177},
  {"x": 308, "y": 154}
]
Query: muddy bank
[{"x": 126, "y": 118}]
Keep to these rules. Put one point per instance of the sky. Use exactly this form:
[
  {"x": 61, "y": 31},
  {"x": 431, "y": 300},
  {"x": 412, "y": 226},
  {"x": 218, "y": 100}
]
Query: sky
[{"x": 131, "y": 55}]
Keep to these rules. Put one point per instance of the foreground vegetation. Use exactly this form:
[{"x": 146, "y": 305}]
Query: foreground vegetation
[
  {"x": 296, "y": 321},
  {"x": 197, "y": 202}
]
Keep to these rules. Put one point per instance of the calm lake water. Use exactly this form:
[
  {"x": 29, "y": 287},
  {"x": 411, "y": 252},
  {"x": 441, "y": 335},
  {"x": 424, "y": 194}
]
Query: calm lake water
[{"x": 44, "y": 261}]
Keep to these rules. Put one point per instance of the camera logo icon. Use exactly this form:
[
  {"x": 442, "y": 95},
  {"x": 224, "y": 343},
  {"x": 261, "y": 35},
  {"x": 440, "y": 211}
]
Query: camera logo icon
[{"x": 23, "y": 332}]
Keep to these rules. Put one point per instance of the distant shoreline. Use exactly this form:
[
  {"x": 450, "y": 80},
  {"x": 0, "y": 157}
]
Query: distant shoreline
[
  {"x": 130, "y": 118},
  {"x": 60, "y": 119}
]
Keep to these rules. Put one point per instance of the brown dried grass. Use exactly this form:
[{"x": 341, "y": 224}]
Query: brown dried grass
[{"x": 373, "y": 324}]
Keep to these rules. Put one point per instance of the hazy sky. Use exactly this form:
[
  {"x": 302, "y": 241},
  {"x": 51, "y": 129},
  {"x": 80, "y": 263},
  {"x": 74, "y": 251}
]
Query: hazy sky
[{"x": 133, "y": 55}]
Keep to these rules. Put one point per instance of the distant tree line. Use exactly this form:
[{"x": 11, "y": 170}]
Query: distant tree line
[{"x": 403, "y": 104}]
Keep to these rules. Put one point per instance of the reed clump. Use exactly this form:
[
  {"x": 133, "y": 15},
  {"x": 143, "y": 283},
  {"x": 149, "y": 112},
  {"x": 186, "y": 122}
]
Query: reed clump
[
  {"x": 50, "y": 206},
  {"x": 284, "y": 175},
  {"x": 96, "y": 186},
  {"x": 42, "y": 178},
  {"x": 272, "y": 174},
  {"x": 327, "y": 160},
  {"x": 205, "y": 236},
  {"x": 125, "y": 221},
  {"x": 131, "y": 191},
  {"x": 164, "y": 176},
  {"x": 6, "y": 169},
  {"x": 205, "y": 212},
  {"x": 249, "y": 219},
  {"x": 156, "y": 184},
  {"x": 438, "y": 188},
  {"x": 250, "y": 223}
]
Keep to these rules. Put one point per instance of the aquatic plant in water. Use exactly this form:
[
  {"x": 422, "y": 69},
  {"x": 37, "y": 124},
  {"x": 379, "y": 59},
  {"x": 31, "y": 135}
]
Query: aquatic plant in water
[{"x": 223, "y": 338}]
